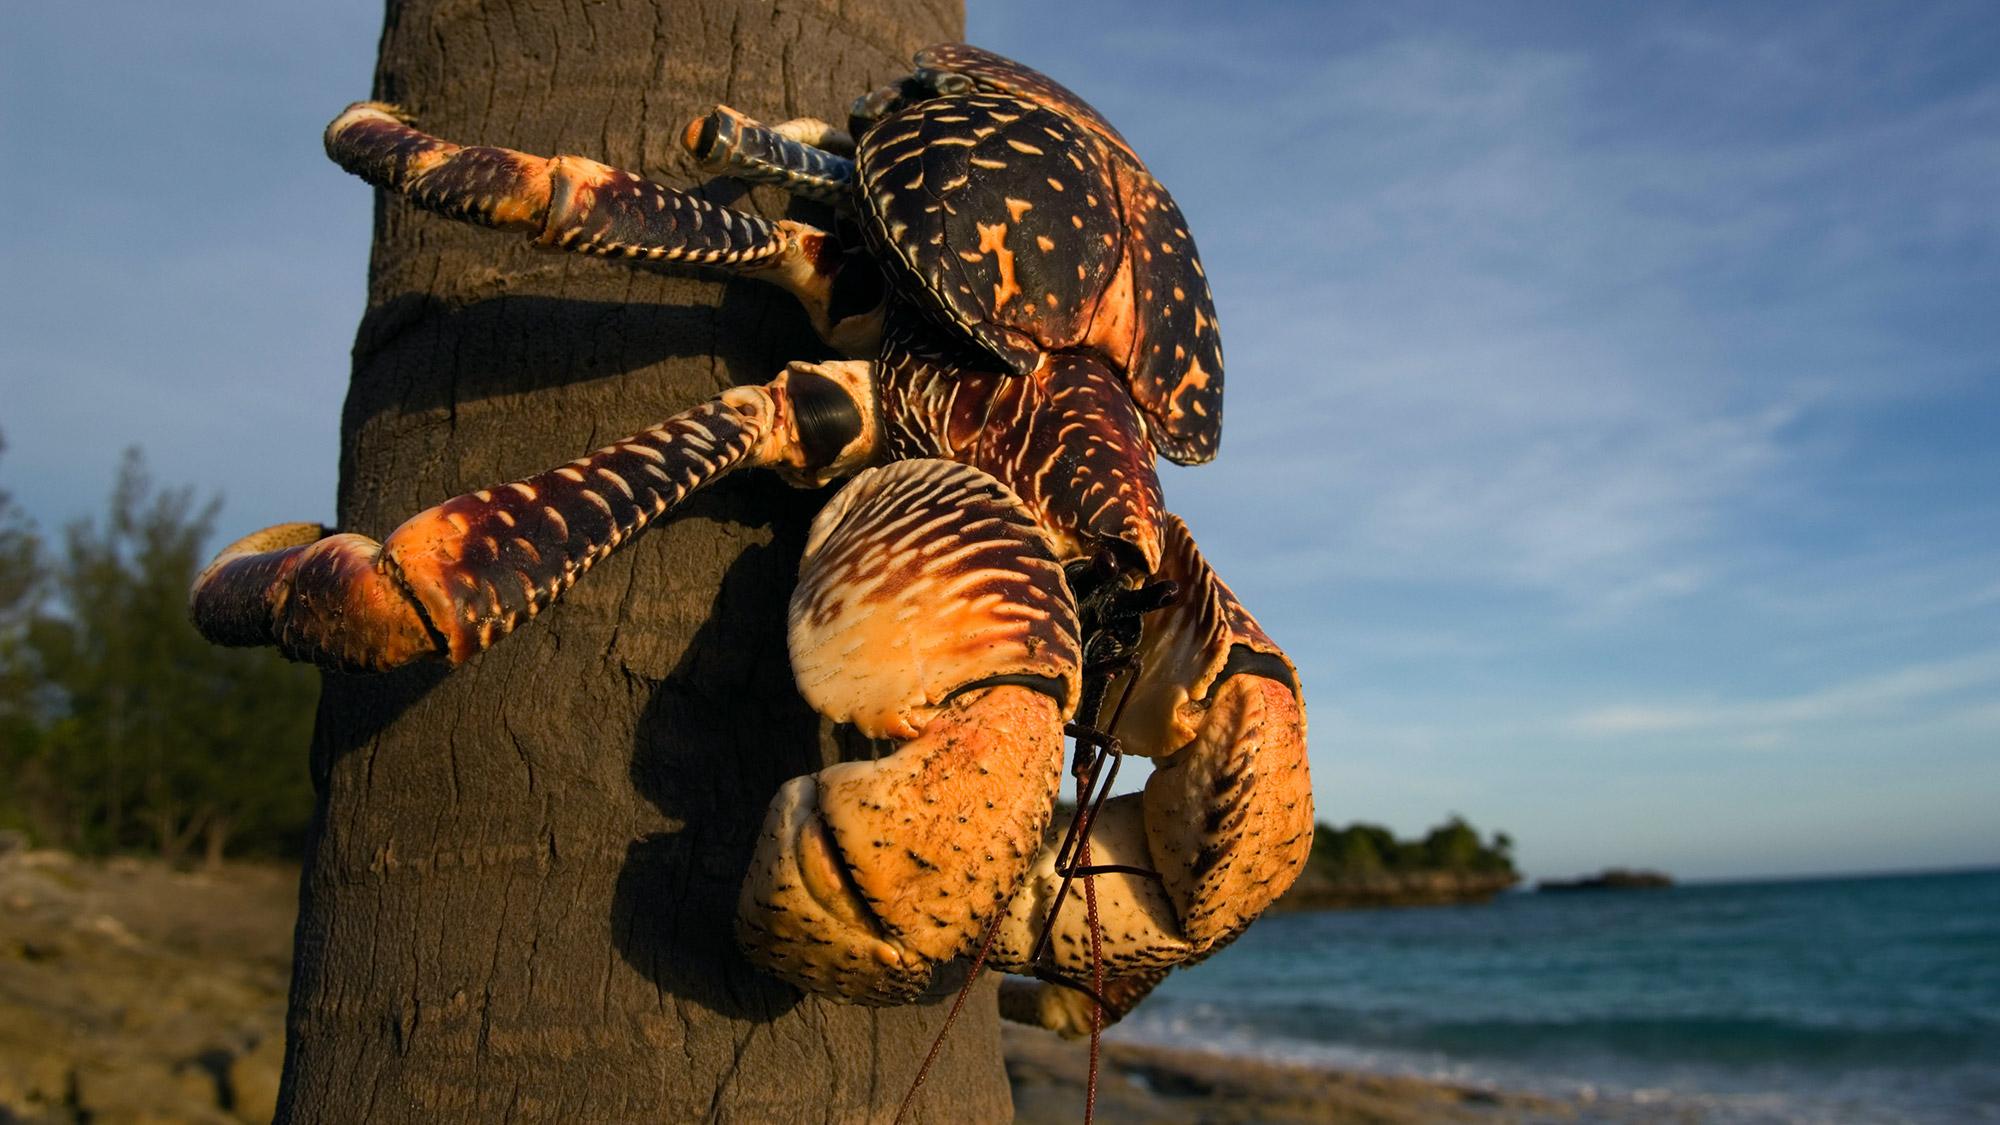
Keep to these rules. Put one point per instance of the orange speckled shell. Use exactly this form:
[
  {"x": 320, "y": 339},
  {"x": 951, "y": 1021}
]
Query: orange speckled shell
[
  {"x": 1231, "y": 819},
  {"x": 869, "y": 875}
]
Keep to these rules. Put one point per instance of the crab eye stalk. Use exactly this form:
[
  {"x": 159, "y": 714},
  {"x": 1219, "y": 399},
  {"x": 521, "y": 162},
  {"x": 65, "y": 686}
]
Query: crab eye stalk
[
  {"x": 941, "y": 83},
  {"x": 872, "y": 107},
  {"x": 927, "y": 83}
]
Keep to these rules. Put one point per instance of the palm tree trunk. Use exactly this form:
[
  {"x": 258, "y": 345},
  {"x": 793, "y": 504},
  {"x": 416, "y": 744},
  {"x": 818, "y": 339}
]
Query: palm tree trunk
[{"x": 519, "y": 890}]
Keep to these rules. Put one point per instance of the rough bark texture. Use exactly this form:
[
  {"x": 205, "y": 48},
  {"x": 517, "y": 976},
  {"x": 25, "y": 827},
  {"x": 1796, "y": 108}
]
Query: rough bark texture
[{"x": 519, "y": 896}]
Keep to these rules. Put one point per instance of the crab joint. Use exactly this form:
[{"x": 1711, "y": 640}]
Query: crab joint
[{"x": 828, "y": 424}]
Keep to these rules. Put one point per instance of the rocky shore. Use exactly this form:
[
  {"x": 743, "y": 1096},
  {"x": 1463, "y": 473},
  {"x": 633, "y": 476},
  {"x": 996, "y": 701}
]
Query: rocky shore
[
  {"x": 131, "y": 992},
  {"x": 1611, "y": 879},
  {"x": 1138, "y": 1083},
  {"x": 134, "y": 993},
  {"x": 1407, "y": 888}
]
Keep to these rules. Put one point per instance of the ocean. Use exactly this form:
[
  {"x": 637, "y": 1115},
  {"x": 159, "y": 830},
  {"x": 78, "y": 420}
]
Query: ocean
[{"x": 1867, "y": 999}]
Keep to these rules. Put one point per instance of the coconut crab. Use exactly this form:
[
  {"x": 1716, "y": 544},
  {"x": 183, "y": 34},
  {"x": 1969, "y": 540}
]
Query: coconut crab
[{"x": 1027, "y": 325}]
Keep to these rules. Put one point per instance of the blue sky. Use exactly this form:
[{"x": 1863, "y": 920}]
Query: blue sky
[{"x": 1613, "y": 424}]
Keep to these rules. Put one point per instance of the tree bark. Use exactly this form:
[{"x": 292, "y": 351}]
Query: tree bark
[{"x": 520, "y": 887}]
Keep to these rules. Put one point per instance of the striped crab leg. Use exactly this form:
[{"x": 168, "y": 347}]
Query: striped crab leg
[
  {"x": 578, "y": 204},
  {"x": 789, "y": 155},
  {"x": 1225, "y": 820},
  {"x": 455, "y": 578}
]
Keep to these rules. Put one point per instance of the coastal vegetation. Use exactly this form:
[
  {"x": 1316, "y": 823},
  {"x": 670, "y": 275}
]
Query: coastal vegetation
[
  {"x": 121, "y": 730},
  {"x": 1368, "y": 865}
]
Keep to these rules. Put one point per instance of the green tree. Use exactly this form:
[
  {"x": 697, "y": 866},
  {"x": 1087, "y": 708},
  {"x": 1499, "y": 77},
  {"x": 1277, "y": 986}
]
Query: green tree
[
  {"x": 1356, "y": 853},
  {"x": 145, "y": 735},
  {"x": 1360, "y": 851},
  {"x": 1452, "y": 846},
  {"x": 22, "y": 583},
  {"x": 1389, "y": 850}
]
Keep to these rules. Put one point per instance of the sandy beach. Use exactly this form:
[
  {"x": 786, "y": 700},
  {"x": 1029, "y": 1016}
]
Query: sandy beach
[
  {"x": 132, "y": 992},
  {"x": 1141, "y": 1083}
]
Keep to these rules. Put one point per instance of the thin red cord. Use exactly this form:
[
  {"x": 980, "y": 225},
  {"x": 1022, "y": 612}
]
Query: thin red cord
[
  {"x": 1096, "y": 979},
  {"x": 964, "y": 990}
]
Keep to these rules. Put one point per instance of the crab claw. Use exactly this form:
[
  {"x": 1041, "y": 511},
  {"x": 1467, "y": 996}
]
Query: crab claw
[
  {"x": 728, "y": 143},
  {"x": 1224, "y": 823},
  {"x": 931, "y": 612},
  {"x": 1067, "y": 1010},
  {"x": 870, "y": 874},
  {"x": 315, "y": 595}
]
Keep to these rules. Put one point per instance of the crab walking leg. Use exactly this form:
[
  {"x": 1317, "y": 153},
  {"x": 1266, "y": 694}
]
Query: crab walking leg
[
  {"x": 455, "y": 578},
  {"x": 930, "y": 611},
  {"x": 728, "y": 143},
  {"x": 819, "y": 134},
  {"x": 574, "y": 203},
  {"x": 1225, "y": 818}
]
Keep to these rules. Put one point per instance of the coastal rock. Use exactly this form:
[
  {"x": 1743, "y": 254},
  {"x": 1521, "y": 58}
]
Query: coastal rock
[
  {"x": 131, "y": 992},
  {"x": 1408, "y": 888},
  {"x": 1611, "y": 879},
  {"x": 253, "y": 1080},
  {"x": 140, "y": 1091}
]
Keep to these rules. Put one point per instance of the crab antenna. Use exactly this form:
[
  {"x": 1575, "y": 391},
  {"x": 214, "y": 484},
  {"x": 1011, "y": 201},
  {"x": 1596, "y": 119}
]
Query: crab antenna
[
  {"x": 937, "y": 1041},
  {"x": 1096, "y": 977},
  {"x": 1091, "y": 793},
  {"x": 1090, "y": 798}
]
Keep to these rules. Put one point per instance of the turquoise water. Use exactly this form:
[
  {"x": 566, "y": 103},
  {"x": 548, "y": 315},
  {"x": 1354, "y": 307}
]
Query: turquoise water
[{"x": 1861, "y": 999}]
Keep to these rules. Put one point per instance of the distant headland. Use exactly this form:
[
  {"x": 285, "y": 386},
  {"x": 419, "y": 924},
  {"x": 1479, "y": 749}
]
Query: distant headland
[
  {"x": 1365, "y": 865},
  {"x": 1610, "y": 879}
]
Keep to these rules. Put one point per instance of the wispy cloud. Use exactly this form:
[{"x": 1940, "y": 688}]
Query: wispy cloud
[
  {"x": 1500, "y": 332},
  {"x": 1489, "y": 371},
  {"x": 1920, "y": 689}
]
